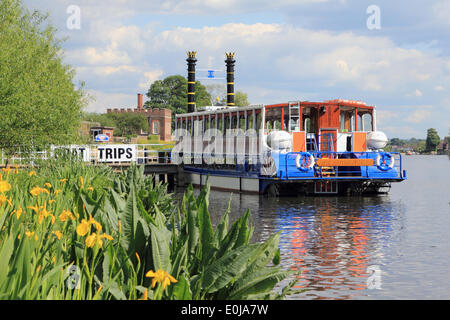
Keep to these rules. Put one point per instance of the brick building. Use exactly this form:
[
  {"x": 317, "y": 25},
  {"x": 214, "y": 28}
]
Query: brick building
[{"x": 159, "y": 120}]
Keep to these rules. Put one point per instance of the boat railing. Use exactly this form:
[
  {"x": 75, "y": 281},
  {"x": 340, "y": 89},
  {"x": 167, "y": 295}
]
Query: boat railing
[{"x": 367, "y": 165}]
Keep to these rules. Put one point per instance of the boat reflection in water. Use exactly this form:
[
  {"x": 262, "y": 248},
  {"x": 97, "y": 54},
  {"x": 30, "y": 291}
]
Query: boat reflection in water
[
  {"x": 331, "y": 240},
  {"x": 335, "y": 242}
]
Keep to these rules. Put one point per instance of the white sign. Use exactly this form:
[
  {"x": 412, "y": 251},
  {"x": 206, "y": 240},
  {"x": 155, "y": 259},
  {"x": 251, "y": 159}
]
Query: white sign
[
  {"x": 116, "y": 153},
  {"x": 80, "y": 152}
]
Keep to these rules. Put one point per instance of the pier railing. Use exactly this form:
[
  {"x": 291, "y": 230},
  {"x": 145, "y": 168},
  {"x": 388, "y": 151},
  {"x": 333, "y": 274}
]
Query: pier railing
[{"x": 107, "y": 153}]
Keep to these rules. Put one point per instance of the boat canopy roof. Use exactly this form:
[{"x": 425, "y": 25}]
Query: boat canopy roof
[{"x": 343, "y": 104}]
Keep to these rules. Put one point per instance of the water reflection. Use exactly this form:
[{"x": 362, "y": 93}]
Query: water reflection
[{"x": 333, "y": 241}]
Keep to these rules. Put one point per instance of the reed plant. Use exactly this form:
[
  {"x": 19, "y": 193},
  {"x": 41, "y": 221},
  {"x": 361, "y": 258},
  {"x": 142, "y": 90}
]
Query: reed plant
[{"x": 69, "y": 230}]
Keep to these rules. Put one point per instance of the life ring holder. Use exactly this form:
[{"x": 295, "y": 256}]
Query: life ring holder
[
  {"x": 381, "y": 161},
  {"x": 301, "y": 159}
]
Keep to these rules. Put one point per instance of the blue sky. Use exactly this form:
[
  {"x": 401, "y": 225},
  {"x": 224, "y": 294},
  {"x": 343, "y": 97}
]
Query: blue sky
[{"x": 285, "y": 50}]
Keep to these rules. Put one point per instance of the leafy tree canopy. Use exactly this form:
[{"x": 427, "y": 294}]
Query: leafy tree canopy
[
  {"x": 433, "y": 140},
  {"x": 125, "y": 124},
  {"x": 240, "y": 99},
  {"x": 171, "y": 93},
  {"x": 40, "y": 104}
]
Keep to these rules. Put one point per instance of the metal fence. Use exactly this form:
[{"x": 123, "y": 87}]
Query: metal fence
[{"x": 107, "y": 153}]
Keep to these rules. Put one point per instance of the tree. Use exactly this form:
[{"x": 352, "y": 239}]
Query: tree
[
  {"x": 433, "y": 140},
  {"x": 40, "y": 104},
  {"x": 171, "y": 93},
  {"x": 217, "y": 91},
  {"x": 124, "y": 123},
  {"x": 129, "y": 123},
  {"x": 103, "y": 118},
  {"x": 240, "y": 99}
]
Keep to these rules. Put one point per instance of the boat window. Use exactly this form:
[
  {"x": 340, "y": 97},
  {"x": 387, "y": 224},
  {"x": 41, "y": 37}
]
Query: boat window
[
  {"x": 220, "y": 123},
  {"x": 198, "y": 128},
  {"x": 347, "y": 120},
  {"x": 285, "y": 118},
  {"x": 251, "y": 119},
  {"x": 277, "y": 125},
  {"x": 352, "y": 121},
  {"x": 364, "y": 120},
  {"x": 307, "y": 124},
  {"x": 258, "y": 120},
  {"x": 359, "y": 126},
  {"x": 367, "y": 122},
  {"x": 233, "y": 121},
  {"x": 242, "y": 121},
  {"x": 206, "y": 122},
  {"x": 273, "y": 119},
  {"x": 309, "y": 118},
  {"x": 213, "y": 121},
  {"x": 189, "y": 125}
]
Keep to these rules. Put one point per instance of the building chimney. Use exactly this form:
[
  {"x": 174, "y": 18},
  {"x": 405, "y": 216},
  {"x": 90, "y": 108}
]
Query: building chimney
[
  {"x": 230, "y": 78},
  {"x": 140, "y": 103},
  {"x": 191, "y": 60}
]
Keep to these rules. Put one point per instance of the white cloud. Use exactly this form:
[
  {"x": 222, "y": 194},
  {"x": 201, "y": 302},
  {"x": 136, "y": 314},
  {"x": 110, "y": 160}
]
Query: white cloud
[
  {"x": 403, "y": 131},
  {"x": 384, "y": 116},
  {"x": 150, "y": 77},
  {"x": 441, "y": 11},
  {"x": 103, "y": 100},
  {"x": 418, "y": 116},
  {"x": 366, "y": 63},
  {"x": 124, "y": 46}
]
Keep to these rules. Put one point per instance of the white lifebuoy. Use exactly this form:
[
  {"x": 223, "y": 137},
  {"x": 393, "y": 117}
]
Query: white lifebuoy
[
  {"x": 301, "y": 156},
  {"x": 384, "y": 166}
]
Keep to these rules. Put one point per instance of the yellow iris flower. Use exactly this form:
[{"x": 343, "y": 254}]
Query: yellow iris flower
[
  {"x": 37, "y": 191},
  {"x": 3, "y": 199},
  {"x": 83, "y": 228},
  {"x": 58, "y": 234},
  {"x": 65, "y": 215},
  {"x": 7, "y": 170},
  {"x": 97, "y": 239},
  {"x": 4, "y": 186},
  {"x": 162, "y": 277}
]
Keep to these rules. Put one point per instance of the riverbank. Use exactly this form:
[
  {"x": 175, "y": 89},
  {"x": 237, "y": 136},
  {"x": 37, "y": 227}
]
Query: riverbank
[{"x": 73, "y": 231}]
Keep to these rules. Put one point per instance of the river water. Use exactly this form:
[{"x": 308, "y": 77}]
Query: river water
[{"x": 394, "y": 246}]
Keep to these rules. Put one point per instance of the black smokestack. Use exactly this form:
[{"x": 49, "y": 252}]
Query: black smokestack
[
  {"x": 191, "y": 60},
  {"x": 230, "y": 78}
]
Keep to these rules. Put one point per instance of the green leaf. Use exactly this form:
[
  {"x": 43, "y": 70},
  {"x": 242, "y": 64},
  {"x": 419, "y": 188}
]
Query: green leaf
[
  {"x": 6, "y": 250},
  {"x": 182, "y": 289},
  {"x": 276, "y": 258},
  {"x": 129, "y": 218},
  {"x": 244, "y": 230},
  {"x": 260, "y": 282},
  {"x": 224, "y": 270},
  {"x": 160, "y": 244},
  {"x": 222, "y": 228},
  {"x": 206, "y": 232},
  {"x": 179, "y": 261}
]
